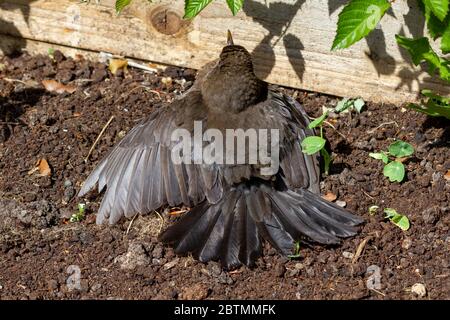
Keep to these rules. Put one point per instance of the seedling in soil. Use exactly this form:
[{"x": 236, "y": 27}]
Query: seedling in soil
[
  {"x": 313, "y": 144},
  {"x": 393, "y": 159},
  {"x": 78, "y": 216},
  {"x": 373, "y": 209},
  {"x": 296, "y": 254},
  {"x": 347, "y": 104},
  {"x": 398, "y": 219}
]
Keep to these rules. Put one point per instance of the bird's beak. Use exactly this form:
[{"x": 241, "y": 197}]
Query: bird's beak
[{"x": 229, "y": 39}]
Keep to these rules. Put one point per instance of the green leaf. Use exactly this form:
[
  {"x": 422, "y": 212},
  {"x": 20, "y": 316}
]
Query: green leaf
[
  {"x": 438, "y": 7},
  {"x": 193, "y": 7},
  {"x": 398, "y": 219},
  {"x": 326, "y": 159},
  {"x": 436, "y": 106},
  {"x": 420, "y": 51},
  {"x": 318, "y": 121},
  {"x": 390, "y": 213},
  {"x": 78, "y": 216},
  {"x": 379, "y": 156},
  {"x": 434, "y": 25},
  {"x": 311, "y": 145},
  {"x": 401, "y": 149},
  {"x": 395, "y": 171},
  {"x": 342, "y": 105},
  {"x": 81, "y": 208},
  {"x": 445, "y": 41},
  {"x": 121, "y": 4},
  {"x": 357, "y": 20},
  {"x": 358, "y": 104},
  {"x": 235, "y": 5}
]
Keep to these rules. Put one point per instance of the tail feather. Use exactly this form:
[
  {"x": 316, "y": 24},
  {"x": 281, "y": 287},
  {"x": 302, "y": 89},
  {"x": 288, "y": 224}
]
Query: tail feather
[
  {"x": 297, "y": 222},
  {"x": 250, "y": 239},
  {"x": 233, "y": 229},
  {"x": 267, "y": 224},
  {"x": 199, "y": 220},
  {"x": 210, "y": 247}
]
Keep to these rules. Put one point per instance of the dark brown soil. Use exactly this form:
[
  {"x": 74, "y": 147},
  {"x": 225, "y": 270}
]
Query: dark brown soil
[{"x": 38, "y": 243}]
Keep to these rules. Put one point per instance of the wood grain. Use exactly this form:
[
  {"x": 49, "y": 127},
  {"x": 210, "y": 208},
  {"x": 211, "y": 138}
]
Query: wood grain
[{"x": 290, "y": 40}]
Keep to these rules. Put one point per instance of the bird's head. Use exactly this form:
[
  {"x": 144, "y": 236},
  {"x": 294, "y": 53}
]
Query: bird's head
[
  {"x": 232, "y": 84},
  {"x": 235, "y": 57}
]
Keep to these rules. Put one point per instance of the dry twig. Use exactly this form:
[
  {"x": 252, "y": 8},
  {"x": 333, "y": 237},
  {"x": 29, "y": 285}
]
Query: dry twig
[{"x": 98, "y": 138}]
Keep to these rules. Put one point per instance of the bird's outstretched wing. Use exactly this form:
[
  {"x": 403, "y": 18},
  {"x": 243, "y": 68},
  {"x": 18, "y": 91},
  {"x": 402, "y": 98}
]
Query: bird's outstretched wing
[
  {"x": 139, "y": 174},
  {"x": 299, "y": 170}
]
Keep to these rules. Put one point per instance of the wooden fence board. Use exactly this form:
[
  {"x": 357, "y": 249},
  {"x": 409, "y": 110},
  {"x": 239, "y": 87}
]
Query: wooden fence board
[{"x": 290, "y": 40}]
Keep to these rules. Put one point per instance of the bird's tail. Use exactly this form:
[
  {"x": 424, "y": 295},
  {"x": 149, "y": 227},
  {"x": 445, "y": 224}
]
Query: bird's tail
[{"x": 232, "y": 230}]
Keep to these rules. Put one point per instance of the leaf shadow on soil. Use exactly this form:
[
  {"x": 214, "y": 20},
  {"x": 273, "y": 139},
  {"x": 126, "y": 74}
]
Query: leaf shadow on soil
[
  {"x": 438, "y": 123},
  {"x": 13, "y": 106}
]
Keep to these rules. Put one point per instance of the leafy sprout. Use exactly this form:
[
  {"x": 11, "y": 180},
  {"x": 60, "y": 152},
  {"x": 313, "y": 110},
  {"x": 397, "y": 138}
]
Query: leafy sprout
[
  {"x": 393, "y": 158},
  {"x": 296, "y": 254},
  {"x": 396, "y": 218},
  {"x": 313, "y": 144},
  {"x": 78, "y": 216}
]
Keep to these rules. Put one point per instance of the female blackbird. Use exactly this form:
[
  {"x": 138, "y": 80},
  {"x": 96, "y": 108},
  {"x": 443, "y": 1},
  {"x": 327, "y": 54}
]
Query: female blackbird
[{"x": 234, "y": 206}]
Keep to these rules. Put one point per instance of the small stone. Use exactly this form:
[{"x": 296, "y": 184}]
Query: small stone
[
  {"x": 406, "y": 243},
  {"x": 96, "y": 287},
  {"x": 310, "y": 272},
  {"x": 299, "y": 266},
  {"x": 121, "y": 134},
  {"x": 292, "y": 273},
  {"x": 98, "y": 75},
  {"x": 424, "y": 181},
  {"x": 52, "y": 285},
  {"x": 224, "y": 278},
  {"x": 196, "y": 292},
  {"x": 348, "y": 255},
  {"x": 157, "y": 253},
  {"x": 67, "y": 183},
  {"x": 86, "y": 237},
  {"x": 135, "y": 256},
  {"x": 341, "y": 203},
  {"x": 69, "y": 193},
  {"x": 215, "y": 268},
  {"x": 66, "y": 213},
  {"x": 430, "y": 216},
  {"x": 29, "y": 197},
  {"x": 436, "y": 176},
  {"x": 419, "y": 289}
]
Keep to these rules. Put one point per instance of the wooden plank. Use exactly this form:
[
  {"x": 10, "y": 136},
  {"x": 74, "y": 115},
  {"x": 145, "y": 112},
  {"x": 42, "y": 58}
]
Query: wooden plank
[{"x": 290, "y": 40}]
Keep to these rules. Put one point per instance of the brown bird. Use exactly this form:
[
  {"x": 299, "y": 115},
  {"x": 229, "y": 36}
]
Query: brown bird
[{"x": 234, "y": 206}]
